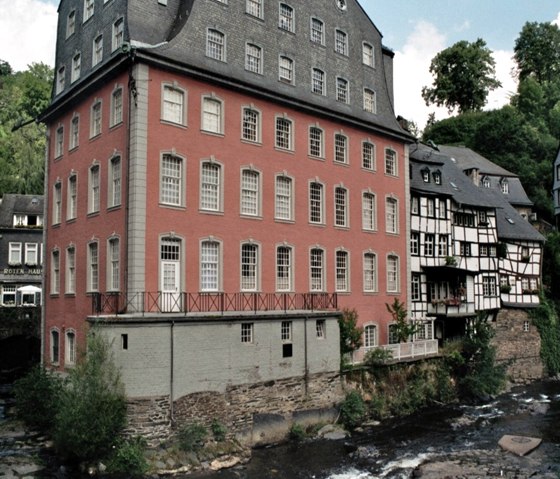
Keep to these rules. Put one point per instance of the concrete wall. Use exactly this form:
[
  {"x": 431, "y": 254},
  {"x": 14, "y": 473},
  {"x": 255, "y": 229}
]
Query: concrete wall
[{"x": 518, "y": 347}]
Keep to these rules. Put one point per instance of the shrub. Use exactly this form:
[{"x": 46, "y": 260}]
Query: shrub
[
  {"x": 128, "y": 458},
  {"x": 545, "y": 318},
  {"x": 92, "y": 409},
  {"x": 350, "y": 334},
  {"x": 377, "y": 357},
  {"x": 219, "y": 431},
  {"x": 352, "y": 410},
  {"x": 37, "y": 395},
  {"x": 191, "y": 437},
  {"x": 297, "y": 432}
]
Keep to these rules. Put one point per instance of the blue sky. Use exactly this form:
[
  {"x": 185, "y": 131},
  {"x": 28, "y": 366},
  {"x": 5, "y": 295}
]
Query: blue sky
[{"x": 415, "y": 29}]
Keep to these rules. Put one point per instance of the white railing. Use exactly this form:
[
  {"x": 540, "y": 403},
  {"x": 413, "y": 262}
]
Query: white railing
[{"x": 416, "y": 349}]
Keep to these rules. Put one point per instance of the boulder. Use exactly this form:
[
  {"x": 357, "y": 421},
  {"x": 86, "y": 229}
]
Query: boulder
[{"x": 520, "y": 445}]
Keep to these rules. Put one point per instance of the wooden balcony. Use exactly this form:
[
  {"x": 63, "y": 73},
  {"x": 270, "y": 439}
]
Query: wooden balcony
[
  {"x": 183, "y": 303},
  {"x": 451, "y": 306}
]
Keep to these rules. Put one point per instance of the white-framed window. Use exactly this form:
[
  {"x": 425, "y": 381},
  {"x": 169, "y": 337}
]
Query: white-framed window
[
  {"x": 118, "y": 34},
  {"x": 250, "y": 192},
  {"x": 254, "y": 8},
  {"x": 321, "y": 328},
  {"x": 93, "y": 266},
  {"x": 72, "y": 198},
  {"x": 370, "y": 336},
  {"x": 317, "y": 31},
  {"x": 368, "y": 54},
  {"x": 14, "y": 253},
  {"x": 443, "y": 245},
  {"x": 97, "y": 50},
  {"x": 57, "y": 203},
  {"x": 370, "y": 101},
  {"x": 212, "y": 115},
  {"x": 316, "y": 203},
  {"x": 414, "y": 243},
  {"x": 59, "y": 142},
  {"x": 341, "y": 42},
  {"x": 89, "y": 6},
  {"x": 340, "y": 148},
  {"x": 286, "y": 69},
  {"x": 115, "y": 182},
  {"x": 75, "y": 132},
  {"x": 284, "y": 268},
  {"x": 316, "y": 142},
  {"x": 94, "y": 194},
  {"x": 390, "y": 162},
  {"x": 286, "y": 18},
  {"x": 415, "y": 287},
  {"x": 95, "y": 122},
  {"x": 368, "y": 156},
  {"x": 171, "y": 189},
  {"x": 489, "y": 286},
  {"x": 393, "y": 337},
  {"x": 76, "y": 67},
  {"x": 173, "y": 105},
  {"x": 414, "y": 205},
  {"x": 251, "y": 125},
  {"x": 55, "y": 271},
  {"x": 341, "y": 206},
  {"x": 60, "y": 79},
  {"x": 284, "y": 133},
  {"x": 391, "y": 215},
  {"x": 70, "y": 349},
  {"x": 211, "y": 186},
  {"x": 70, "y": 270},
  {"x": 283, "y": 204},
  {"x": 318, "y": 81},
  {"x": 393, "y": 277},
  {"x": 369, "y": 211},
  {"x": 31, "y": 254},
  {"x": 486, "y": 182},
  {"x": 342, "y": 90},
  {"x": 429, "y": 244},
  {"x": 210, "y": 260},
  {"x": 442, "y": 208},
  {"x": 316, "y": 270},
  {"x": 8, "y": 295},
  {"x": 113, "y": 264},
  {"x": 370, "y": 272},
  {"x": 286, "y": 331},
  {"x": 55, "y": 346},
  {"x": 504, "y": 186},
  {"x": 71, "y": 23},
  {"x": 215, "y": 45},
  {"x": 247, "y": 332},
  {"x": 253, "y": 58},
  {"x": 249, "y": 267},
  {"x": 117, "y": 107},
  {"x": 342, "y": 271}
]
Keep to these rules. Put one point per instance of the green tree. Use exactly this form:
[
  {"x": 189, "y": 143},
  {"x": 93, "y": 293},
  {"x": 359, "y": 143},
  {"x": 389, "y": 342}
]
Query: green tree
[
  {"x": 23, "y": 96},
  {"x": 404, "y": 329},
  {"x": 537, "y": 51},
  {"x": 463, "y": 74},
  {"x": 92, "y": 410},
  {"x": 350, "y": 333}
]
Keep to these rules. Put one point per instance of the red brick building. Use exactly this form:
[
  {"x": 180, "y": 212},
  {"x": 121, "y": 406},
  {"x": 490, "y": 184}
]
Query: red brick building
[{"x": 215, "y": 156}]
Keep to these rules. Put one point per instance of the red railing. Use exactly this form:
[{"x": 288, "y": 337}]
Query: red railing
[{"x": 158, "y": 302}]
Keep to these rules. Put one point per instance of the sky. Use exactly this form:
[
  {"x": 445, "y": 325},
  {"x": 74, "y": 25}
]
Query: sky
[{"x": 416, "y": 30}]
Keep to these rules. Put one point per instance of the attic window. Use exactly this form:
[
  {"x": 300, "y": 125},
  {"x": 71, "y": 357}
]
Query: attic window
[
  {"x": 162, "y": 2},
  {"x": 486, "y": 182},
  {"x": 437, "y": 177},
  {"x": 504, "y": 186},
  {"x": 426, "y": 175},
  {"x": 341, "y": 4}
]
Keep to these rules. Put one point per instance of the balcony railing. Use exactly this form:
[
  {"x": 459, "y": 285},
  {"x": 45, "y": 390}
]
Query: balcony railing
[
  {"x": 451, "y": 306},
  {"x": 158, "y": 302},
  {"x": 416, "y": 349}
]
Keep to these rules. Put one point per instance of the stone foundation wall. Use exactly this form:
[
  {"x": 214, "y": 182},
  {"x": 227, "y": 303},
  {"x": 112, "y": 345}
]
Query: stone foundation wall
[
  {"x": 149, "y": 418},
  {"x": 518, "y": 347},
  {"x": 263, "y": 413}
]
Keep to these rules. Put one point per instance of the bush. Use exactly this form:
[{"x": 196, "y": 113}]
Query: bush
[
  {"x": 37, "y": 395},
  {"x": 297, "y": 432},
  {"x": 219, "y": 431},
  {"x": 191, "y": 437},
  {"x": 545, "y": 318},
  {"x": 128, "y": 458},
  {"x": 377, "y": 357},
  {"x": 92, "y": 409},
  {"x": 352, "y": 410}
]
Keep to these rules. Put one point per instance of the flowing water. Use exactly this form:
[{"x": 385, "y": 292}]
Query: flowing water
[{"x": 397, "y": 446}]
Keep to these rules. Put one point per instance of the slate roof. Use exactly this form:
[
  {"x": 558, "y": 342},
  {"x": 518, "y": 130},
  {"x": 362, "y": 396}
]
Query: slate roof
[{"x": 19, "y": 204}]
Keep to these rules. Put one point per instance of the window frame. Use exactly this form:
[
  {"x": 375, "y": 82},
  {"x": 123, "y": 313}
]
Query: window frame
[
  {"x": 341, "y": 207},
  {"x": 318, "y": 81},
  {"x": 92, "y": 281},
  {"x": 317, "y": 35},
  {"x": 250, "y": 197},
  {"x": 391, "y": 215},
  {"x": 316, "y": 137},
  {"x": 283, "y": 198},
  {"x": 253, "y": 58},
  {"x": 391, "y": 162},
  {"x": 74, "y": 133},
  {"x": 342, "y": 90},
  {"x": 251, "y": 129},
  {"x": 70, "y": 271},
  {"x": 286, "y": 19},
  {"x": 341, "y": 42},
  {"x": 284, "y": 269},
  {"x": 393, "y": 273},
  {"x": 55, "y": 272},
  {"x": 369, "y": 211},
  {"x": 173, "y": 110},
  {"x": 94, "y": 189},
  {"x": 286, "y": 65},
  {"x": 249, "y": 267},
  {"x": 370, "y": 271},
  {"x": 254, "y": 8},
  {"x": 342, "y": 271},
  {"x": 72, "y": 198},
  {"x": 113, "y": 264},
  {"x": 76, "y": 67},
  {"x": 370, "y": 339},
  {"x": 212, "y": 121},
  {"x": 316, "y": 204},
  {"x": 216, "y": 187},
  {"x": 172, "y": 187},
  {"x": 370, "y": 101},
  {"x": 317, "y": 270},
  {"x": 97, "y": 50},
  {"x": 96, "y": 119},
  {"x": 114, "y": 193},
  {"x": 341, "y": 148},
  {"x": 284, "y": 133},
  {"x": 216, "y": 45},
  {"x": 211, "y": 274},
  {"x": 368, "y": 52},
  {"x": 117, "y": 37}
]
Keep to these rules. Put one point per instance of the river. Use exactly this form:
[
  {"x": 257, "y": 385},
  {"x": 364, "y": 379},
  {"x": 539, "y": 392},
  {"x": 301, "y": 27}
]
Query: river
[{"x": 394, "y": 448}]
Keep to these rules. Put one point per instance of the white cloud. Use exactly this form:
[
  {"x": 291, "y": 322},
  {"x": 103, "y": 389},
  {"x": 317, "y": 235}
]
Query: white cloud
[
  {"x": 557, "y": 21},
  {"x": 27, "y": 32},
  {"x": 412, "y": 72}
]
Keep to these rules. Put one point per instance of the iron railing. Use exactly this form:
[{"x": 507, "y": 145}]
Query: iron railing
[{"x": 159, "y": 302}]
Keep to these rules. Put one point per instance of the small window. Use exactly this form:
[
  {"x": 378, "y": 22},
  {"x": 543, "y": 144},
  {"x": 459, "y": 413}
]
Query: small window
[
  {"x": 97, "y": 51},
  {"x": 368, "y": 57},
  {"x": 171, "y": 180},
  {"x": 95, "y": 126},
  {"x": 60, "y": 79},
  {"x": 368, "y": 155},
  {"x": 370, "y": 336},
  {"x": 89, "y": 6},
  {"x": 286, "y": 70},
  {"x": 318, "y": 81},
  {"x": 283, "y": 206},
  {"x": 251, "y": 125},
  {"x": 94, "y": 189},
  {"x": 55, "y": 346},
  {"x": 370, "y": 102},
  {"x": 340, "y": 148},
  {"x": 284, "y": 133},
  {"x": 211, "y": 186},
  {"x": 286, "y": 18},
  {"x": 317, "y": 31},
  {"x": 390, "y": 162},
  {"x": 341, "y": 90},
  {"x": 320, "y": 328},
  {"x": 71, "y": 23},
  {"x": 117, "y": 107},
  {"x": 71, "y": 270},
  {"x": 315, "y": 142},
  {"x": 254, "y": 8},
  {"x": 76, "y": 67},
  {"x": 59, "y": 142},
  {"x": 341, "y": 42},
  {"x": 317, "y": 270},
  {"x": 216, "y": 45},
  {"x": 370, "y": 272},
  {"x": 253, "y": 58},
  {"x": 173, "y": 105},
  {"x": 70, "y": 353},
  {"x": 118, "y": 34},
  {"x": 247, "y": 332},
  {"x": 212, "y": 115},
  {"x": 124, "y": 342},
  {"x": 75, "y": 132},
  {"x": 341, "y": 207}
]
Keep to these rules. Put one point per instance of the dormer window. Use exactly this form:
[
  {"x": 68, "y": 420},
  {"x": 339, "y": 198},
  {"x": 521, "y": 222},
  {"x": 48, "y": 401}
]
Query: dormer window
[
  {"x": 486, "y": 182},
  {"x": 426, "y": 175},
  {"x": 437, "y": 177},
  {"x": 504, "y": 185}
]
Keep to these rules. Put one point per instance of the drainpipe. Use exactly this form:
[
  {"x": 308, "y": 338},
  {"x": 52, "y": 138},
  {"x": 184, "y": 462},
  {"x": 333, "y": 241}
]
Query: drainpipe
[
  {"x": 43, "y": 330},
  {"x": 171, "y": 368},
  {"x": 306, "y": 372}
]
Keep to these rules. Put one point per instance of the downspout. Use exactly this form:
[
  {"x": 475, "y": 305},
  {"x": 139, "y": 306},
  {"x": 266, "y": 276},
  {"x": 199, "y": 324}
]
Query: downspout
[
  {"x": 171, "y": 369},
  {"x": 43, "y": 326},
  {"x": 306, "y": 372}
]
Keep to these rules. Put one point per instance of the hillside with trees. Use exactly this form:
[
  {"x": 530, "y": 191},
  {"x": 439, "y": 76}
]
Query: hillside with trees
[{"x": 23, "y": 96}]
